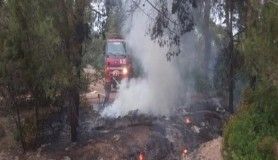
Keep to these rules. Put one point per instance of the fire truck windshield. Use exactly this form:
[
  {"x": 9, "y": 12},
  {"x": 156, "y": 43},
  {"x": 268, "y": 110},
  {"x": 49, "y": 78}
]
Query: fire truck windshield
[{"x": 115, "y": 48}]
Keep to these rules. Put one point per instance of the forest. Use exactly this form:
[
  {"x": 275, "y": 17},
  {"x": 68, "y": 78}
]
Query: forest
[{"x": 47, "y": 46}]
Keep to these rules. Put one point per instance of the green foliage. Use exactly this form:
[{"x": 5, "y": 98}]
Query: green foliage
[
  {"x": 40, "y": 54},
  {"x": 252, "y": 132},
  {"x": 260, "y": 43},
  {"x": 115, "y": 17},
  {"x": 30, "y": 59},
  {"x": 16, "y": 135},
  {"x": 94, "y": 53},
  {"x": 267, "y": 144}
]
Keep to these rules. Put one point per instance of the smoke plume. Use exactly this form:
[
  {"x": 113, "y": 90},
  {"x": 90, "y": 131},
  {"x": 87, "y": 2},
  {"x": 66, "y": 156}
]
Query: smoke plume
[{"x": 165, "y": 84}]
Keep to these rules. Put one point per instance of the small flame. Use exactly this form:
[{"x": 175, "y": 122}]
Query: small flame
[
  {"x": 184, "y": 153},
  {"x": 187, "y": 120},
  {"x": 141, "y": 156}
]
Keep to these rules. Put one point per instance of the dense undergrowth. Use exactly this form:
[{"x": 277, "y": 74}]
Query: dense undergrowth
[{"x": 252, "y": 134}]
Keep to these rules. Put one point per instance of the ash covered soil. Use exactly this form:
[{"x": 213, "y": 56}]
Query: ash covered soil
[{"x": 137, "y": 136}]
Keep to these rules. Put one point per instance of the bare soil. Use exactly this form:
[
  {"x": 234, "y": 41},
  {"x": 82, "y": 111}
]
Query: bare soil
[{"x": 208, "y": 151}]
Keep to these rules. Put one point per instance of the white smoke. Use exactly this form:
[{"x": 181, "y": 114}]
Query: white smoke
[{"x": 165, "y": 83}]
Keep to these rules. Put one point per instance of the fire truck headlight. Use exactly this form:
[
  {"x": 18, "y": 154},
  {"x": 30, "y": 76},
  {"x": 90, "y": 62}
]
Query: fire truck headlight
[{"x": 125, "y": 71}]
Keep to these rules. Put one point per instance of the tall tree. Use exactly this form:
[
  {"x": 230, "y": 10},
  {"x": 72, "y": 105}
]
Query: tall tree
[
  {"x": 259, "y": 42},
  {"x": 74, "y": 31},
  {"x": 207, "y": 35},
  {"x": 229, "y": 10},
  {"x": 29, "y": 59}
]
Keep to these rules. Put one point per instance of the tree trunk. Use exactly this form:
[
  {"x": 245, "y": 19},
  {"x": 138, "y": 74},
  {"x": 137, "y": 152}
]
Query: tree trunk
[
  {"x": 74, "y": 20},
  {"x": 1, "y": 3},
  {"x": 207, "y": 36},
  {"x": 229, "y": 21},
  {"x": 72, "y": 104},
  {"x": 36, "y": 120},
  {"x": 18, "y": 125},
  {"x": 231, "y": 80}
]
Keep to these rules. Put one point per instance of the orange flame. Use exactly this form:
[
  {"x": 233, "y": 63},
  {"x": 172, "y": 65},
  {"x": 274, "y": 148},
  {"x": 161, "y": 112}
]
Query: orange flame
[
  {"x": 141, "y": 157},
  {"x": 184, "y": 153},
  {"x": 187, "y": 120}
]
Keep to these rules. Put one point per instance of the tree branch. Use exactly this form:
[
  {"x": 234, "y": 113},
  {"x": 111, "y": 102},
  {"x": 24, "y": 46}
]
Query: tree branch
[{"x": 98, "y": 12}]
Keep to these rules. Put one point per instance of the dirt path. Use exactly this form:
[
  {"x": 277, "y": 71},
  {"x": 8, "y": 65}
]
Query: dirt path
[{"x": 208, "y": 151}]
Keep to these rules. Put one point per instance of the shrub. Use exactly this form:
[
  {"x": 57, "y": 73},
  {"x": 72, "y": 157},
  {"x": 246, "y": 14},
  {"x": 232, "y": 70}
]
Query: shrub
[{"x": 252, "y": 132}]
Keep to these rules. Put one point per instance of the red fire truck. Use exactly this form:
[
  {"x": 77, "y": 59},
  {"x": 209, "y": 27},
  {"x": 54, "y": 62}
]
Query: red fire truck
[{"x": 118, "y": 63}]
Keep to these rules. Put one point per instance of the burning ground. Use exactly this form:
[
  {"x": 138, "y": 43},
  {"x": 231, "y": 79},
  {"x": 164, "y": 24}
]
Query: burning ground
[
  {"x": 133, "y": 136},
  {"x": 138, "y": 135}
]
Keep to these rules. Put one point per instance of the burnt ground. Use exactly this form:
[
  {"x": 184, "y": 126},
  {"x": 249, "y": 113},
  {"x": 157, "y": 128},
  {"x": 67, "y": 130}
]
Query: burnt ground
[{"x": 134, "y": 136}]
